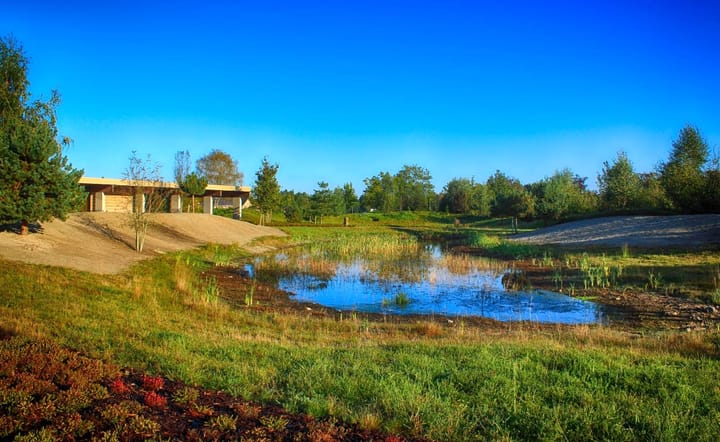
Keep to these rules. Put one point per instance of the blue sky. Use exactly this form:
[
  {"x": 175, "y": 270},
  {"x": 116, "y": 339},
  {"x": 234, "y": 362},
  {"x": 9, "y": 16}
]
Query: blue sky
[{"x": 340, "y": 91}]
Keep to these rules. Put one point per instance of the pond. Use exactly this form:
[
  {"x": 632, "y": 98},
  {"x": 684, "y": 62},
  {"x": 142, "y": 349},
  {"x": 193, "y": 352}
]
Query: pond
[{"x": 427, "y": 280}]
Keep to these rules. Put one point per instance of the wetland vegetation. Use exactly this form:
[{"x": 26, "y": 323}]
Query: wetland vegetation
[
  {"x": 397, "y": 274},
  {"x": 198, "y": 319},
  {"x": 419, "y": 376}
]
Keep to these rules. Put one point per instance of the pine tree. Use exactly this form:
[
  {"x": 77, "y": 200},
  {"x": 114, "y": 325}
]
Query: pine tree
[
  {"x": 266, "y": 193},
  {"x": 682, "y": 175},
  {"x": 37, "y": 183}
]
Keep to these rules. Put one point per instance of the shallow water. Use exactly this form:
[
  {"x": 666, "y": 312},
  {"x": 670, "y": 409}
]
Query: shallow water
[{"x": 432, "y": 282}]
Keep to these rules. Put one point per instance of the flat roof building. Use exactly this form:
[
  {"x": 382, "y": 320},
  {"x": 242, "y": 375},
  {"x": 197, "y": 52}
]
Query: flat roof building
[{"x": 116, "y": 195}]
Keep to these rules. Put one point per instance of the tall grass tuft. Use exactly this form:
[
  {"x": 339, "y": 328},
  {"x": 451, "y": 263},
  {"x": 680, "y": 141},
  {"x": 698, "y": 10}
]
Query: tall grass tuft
[
  {"x": 250, "y": 294},
  {"x": 183, "y": 275},
  {"x": 625, "y": 251}
]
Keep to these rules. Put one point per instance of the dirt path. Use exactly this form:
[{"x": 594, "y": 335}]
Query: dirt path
[
  {"x": 635, "y": 231},
  {"x": 103, "y": 242}
]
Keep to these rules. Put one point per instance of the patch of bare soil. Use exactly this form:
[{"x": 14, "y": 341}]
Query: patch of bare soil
[
  {"x": 104, "y": 242},
  {"x": 634, "y": 231},
  {"x": 635, "y": 309}
]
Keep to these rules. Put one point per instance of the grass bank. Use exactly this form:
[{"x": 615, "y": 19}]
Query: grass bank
[{"x": 421, "y": 378}]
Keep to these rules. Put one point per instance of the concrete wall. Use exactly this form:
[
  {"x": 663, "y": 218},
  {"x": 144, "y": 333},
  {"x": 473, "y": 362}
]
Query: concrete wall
[{"x": 117, "y": 203}]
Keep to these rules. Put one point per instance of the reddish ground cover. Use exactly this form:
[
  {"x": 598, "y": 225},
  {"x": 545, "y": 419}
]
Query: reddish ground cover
[{"x": 51, "y": 393}]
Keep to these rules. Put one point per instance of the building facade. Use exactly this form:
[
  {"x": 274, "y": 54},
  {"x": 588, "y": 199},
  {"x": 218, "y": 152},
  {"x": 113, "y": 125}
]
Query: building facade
[{"x": 117, "y": 195}]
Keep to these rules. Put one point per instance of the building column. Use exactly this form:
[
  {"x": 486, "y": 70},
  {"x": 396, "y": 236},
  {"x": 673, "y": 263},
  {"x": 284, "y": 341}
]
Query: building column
[
  {"x": 99, "y": 203},
  {"x": 138, "y": 201},
  {"x": 208, "y": 204},
  {"x": 176, "y": 203},
  {"x": 237, "y": 203}
]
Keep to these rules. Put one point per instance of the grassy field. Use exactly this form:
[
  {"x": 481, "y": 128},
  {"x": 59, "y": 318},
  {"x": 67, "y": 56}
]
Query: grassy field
[{"x": 421, "y": 378}]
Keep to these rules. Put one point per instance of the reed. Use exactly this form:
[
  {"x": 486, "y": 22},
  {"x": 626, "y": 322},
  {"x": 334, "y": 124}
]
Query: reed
[
  {"x": 368, "y": 245},
  {"x": 463, "y": 264}
]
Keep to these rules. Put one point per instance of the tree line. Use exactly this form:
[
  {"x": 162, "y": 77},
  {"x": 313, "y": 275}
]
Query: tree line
[
  {"x": 38, "y": 183},
  {"x": 687, "y": 182}
]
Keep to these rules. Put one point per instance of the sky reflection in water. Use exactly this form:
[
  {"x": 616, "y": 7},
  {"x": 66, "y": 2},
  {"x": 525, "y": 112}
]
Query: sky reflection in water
[{"x": 435, "y": 283}]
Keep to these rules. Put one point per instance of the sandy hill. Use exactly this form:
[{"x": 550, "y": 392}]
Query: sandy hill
[
  {"x": 635, "y": 231},
  {"x": 103, "y": 242}
]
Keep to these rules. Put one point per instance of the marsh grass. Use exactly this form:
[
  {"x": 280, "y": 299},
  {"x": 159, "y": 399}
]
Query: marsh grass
[
  {"x": 449, "y": 382},
  {"x": 399, "y": 300},
  {"x": 463, "y": 264},
  {"x": 694, "y": 273},
  {"x": 378, "y": 244}
]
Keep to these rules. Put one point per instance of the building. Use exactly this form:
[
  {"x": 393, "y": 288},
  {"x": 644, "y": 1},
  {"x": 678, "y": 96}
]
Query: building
[{"x": 116, "y": 195}]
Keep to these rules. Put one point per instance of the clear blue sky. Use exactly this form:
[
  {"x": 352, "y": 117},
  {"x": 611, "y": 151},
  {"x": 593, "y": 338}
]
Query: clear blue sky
[{"x": 339, "y": 91}]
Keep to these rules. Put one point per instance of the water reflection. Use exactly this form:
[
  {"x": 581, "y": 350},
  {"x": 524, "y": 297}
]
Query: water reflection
[{"x": 433, "y": 282}]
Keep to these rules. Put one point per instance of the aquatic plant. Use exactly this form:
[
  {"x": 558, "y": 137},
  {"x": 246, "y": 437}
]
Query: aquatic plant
[
  {"x": 654, "y": 281},
  {"x": 515, "y": 280},
  {"x": 249, "y": 295},
  {"x": 401, "y": 299},
  {"x": 557, "y": 279}
]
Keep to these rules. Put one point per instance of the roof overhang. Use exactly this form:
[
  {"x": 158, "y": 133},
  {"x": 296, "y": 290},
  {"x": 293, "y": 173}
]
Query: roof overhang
[{"x": 120, "y": 185}]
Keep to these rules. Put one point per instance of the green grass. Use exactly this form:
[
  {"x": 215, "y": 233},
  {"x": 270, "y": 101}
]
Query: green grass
[
  {"x": 448, "y": 383},
  {"x": 399, "y": 300},
  {"x": 689, "y": 273}
]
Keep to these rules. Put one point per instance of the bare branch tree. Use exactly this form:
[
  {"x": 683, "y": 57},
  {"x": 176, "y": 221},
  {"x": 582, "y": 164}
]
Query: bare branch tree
[{"x": 148, "y": 195}]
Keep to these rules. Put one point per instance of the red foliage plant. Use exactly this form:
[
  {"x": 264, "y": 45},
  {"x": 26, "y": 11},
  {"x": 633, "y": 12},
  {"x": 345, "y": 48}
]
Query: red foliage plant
[
  {"x": 152, "y": 383},
  {"x": 119, "y": 387},
  {"x": 153, "y": 399}
]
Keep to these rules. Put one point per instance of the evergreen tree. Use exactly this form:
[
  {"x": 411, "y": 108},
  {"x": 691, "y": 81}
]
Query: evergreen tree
[
  {"x": 712, "y": 190},
  {"x": 37, "y": 183},
  {"x": 322, "y": 201},
  {"x": 266, "y": 192},
  {"x": 682, "y": 176},
  {"x": 350, "y": 198},
  {"x": 296, "y": 206}
]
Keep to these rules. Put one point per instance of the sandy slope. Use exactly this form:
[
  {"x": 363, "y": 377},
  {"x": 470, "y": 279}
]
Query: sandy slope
[
  {"x": 637, "y": 231},
  {"x": 103, "y": 242}
]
